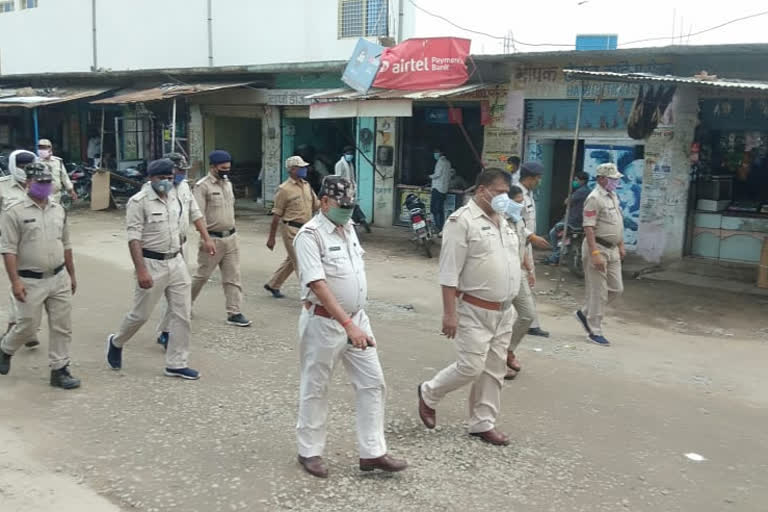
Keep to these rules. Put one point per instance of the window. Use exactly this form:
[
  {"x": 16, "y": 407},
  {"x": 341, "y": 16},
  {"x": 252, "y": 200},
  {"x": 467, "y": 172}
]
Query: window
[
  {"x": 363, "y": 18},
  {"x": 28, "y": 4},
  {"x": 7, "y": 6}
]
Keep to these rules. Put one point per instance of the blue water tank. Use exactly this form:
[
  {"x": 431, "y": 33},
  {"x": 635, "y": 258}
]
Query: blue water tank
[{"x": 592, "y": 42}]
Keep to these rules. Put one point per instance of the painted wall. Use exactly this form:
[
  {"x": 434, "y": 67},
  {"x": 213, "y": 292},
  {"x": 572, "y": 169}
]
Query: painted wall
[{"x": 384, "y": 177}]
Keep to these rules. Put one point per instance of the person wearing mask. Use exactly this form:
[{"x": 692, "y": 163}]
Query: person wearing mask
[
  {"x": 480, "y": 277},
  {"x": 603, "y": 251},
  {"x": 334, "y": 327},
  {"x": 513, "y": 167},
  {"x": 579, "y": 192},
  {"x": 441, "y": 180},
  {"x": 294, "y": 204},
  {"x": 13, "y": 188},
  {"x": 36, "y": 249},
  {"x": 216, "y": 199},
  {"x": 153, "y": 220},
  {"x": 345, "y": 168},
  {"x": 190, "y": 214},
  {"x": 530, "y": 178},
  {"x": 57, "y": 168}
]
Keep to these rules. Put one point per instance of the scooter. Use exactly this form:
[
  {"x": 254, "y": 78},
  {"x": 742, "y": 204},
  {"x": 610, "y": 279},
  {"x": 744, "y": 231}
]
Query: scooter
[
  {"x": 421, "y": 223},
  {"x": 570, "y": 250}
]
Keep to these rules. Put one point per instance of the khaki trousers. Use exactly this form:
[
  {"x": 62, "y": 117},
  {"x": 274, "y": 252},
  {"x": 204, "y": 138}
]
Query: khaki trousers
[
  {"x": 481, "y": 346},
  {"x": 170, "y": 280},
  {"x": 289, "y": 264},
  {"x": 227, "y": 258},
  {"x": 12, "y": 313},
  {"x": 534, "y": 314},
  {"x": 601, "y": 287},
  {"x": 165, "y": 311},
  {"x": 322, "y": 344},
  {"x": 526, "y": 312},
  {"x": 55, "y": 295}
]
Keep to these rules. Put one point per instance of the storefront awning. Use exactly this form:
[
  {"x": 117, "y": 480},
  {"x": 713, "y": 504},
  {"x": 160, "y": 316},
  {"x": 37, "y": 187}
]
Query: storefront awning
[
  {"x": 703, "y": 80},
  {"x": 165, "y": 91},
  {"x": 339, "y": 103},
  {"x": 31, "y": 98}
]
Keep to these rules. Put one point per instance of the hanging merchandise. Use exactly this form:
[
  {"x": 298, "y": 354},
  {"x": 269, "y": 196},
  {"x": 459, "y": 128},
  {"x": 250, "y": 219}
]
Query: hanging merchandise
[{"x": 648, "y": 109}]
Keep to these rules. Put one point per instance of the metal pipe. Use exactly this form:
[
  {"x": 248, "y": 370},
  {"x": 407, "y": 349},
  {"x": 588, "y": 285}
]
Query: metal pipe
[
  {"x": 101, "y": 143},
  {"x": 210, "y": 33},
  {"x": 95, "y": 66},
  {"x": 400, "y": 16},
  {"x": 173, "y": 127},
  {"x": 36, "y": 127}
]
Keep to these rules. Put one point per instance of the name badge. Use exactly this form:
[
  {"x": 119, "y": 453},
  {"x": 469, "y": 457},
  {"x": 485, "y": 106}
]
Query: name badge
[
  {"x": 27, "y": 221},
  {"x": 485, "y": 228},
  {"x": 337, "y": 248}
]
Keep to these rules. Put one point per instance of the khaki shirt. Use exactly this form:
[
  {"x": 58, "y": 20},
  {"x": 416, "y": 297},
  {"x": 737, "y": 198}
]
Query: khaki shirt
[
  {"x": 154, "y": 221},
  {"x": 478, "y": 257},
  {"x": 326, "y": 252},
  {"x": 38, "y": 236},
  {"x": 217, "y": 202},
  {"x": 602, "y": 212},
  {"x": 11, "y": 191},
  {"x": 190, "y": 211},
  {"x": 59, "y": 173},
  {"x": 520, "y": 231},
  {"x": 295, "y": 201}
]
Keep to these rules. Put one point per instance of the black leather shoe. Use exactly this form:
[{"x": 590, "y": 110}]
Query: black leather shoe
[
  {"x": 32, "y": 344},
  {"x": 538, "y": 331},
  {"x": 5, "y": 363},
  {"x": 384, "y": 463},
  {"x": 63, "y": 379}
]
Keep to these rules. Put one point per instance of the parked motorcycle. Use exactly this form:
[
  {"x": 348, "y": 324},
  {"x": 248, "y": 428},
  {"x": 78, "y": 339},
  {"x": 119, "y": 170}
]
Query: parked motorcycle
[
  {"x": 127, "y": 182},
  {"x": 81, "y": 177},
  {"x": 570, "y": 250},
  {"x": 421, "y": 223}
]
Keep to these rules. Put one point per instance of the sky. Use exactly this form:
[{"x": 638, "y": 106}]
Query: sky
[{"x": 558, "y": 21}]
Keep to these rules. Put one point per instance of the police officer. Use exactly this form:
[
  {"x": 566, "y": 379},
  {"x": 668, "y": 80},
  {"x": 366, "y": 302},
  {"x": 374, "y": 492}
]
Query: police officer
[
  {"x": 295, "y": 203},
  {"x": 216, "y": 199},
  {"x": 333, "y": 326},
  {"x": 190, "y": 214},
  {"x": 603, "y": 251},
  {"x": 57, "y": 168},
  {"x": 13, "y": 189},
  {"x": 480, "y": 277},
  {"x": 36, "y": 249},
  {"x": 153, "y": 219}
]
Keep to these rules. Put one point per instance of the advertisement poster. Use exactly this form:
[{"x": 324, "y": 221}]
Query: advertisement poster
[
  {"x": 424, "y": 63},
  {"x": 363, "y": 66}
]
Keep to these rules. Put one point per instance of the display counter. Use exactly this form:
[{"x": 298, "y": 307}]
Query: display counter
[
  {"x": 453, "y": 201},
  {"x": 729, "y": 236}
]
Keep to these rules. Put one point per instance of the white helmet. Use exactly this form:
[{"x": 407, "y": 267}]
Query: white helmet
[{"x": 17, "y": 173}]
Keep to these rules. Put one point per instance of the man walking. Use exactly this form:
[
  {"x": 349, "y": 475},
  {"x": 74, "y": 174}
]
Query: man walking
[
  {"x": 295, "y": 203},
  {"x": 333, "y": 327},
  {"x": 513, "y": 167},
  {"x": 441, "y": 180},
  {"x": 154, "y": 240},
  {"x": 216, "y": 199},
  {"x": 57, "y": 168},
  {"x": 603, "y": 251},
  {"x": 345, "y": 168},
  {"x": 36, "y": 248},
  {"x": 480, "y": 277},
  {"x": 190, "y": 214}
]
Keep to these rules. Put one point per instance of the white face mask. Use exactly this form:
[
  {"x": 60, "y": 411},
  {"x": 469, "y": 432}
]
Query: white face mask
[
  {"x": 44, "y": 153},
  {"x": 499, "y": 203},
  {"x": 514, "y": 210}
]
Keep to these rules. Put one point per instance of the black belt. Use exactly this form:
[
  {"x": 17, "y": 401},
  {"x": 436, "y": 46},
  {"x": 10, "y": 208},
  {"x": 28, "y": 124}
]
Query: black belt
[
  {"x": 159, "y": 255},
  {"x": 31, "y": 274},
  {"x": 605, "y": 243},
  {"x": 293, "y": 224},
  {"x": 222, "y": 234}
]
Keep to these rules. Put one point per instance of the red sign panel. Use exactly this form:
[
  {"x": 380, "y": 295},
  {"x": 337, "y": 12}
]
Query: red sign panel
[{"x": 421, "y": 64}]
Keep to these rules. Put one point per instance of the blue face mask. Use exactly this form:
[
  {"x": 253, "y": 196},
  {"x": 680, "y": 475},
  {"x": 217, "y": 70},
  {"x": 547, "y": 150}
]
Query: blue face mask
[
  {"x": 436, "y": 155},
  {"x": 514, "y": 210},
  {"x": 162, "y": 186},
  {"x": 301, "y": 172},
  {"x": 349, "y": 158},
  {"x": 178, "y": 178}
]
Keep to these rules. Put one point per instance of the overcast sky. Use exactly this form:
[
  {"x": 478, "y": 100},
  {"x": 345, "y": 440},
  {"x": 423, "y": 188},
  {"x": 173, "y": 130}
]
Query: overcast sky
[{"x": 558, "y": 21}]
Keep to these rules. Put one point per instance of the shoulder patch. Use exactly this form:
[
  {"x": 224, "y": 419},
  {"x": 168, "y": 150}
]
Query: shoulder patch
[
  {"x": 590, "y": 213},
  {"x": 201, "y": 180}
]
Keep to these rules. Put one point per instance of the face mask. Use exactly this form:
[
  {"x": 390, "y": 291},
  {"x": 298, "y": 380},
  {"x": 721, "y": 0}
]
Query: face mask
[
  {"x": 178, "y": 178},
  {"x": 222, "y": 174},
  {"x": 511, "y": 168},
  {"x": 301, "y": 172},
  {"x": 339, "y": 216},
  {"x": 576, "y": 184},
  {"x": 44, "y": 153},
  {"x": 436, "y": 155},
  {"x": 499, "y": 203},
  {"x": 162, "y": 186},
  {"x": 349, "y": 158},
  {"x": 513, "y": 210},
  {"x": 40, "y": 190},
  {"x": 611, "y": 185}
]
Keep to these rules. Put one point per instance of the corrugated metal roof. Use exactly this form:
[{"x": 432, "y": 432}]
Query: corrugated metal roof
[
  {"x": 165, "y": 91},
  {"x": 384, "y": 94},
  {"x": 720, "y": 83},
  {"x": 31, "y": 98}
]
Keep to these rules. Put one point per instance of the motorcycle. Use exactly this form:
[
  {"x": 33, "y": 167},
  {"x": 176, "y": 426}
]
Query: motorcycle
[
  {"x": 421, "y": 223},
  {"x": 570, "y": 250},
  {"x": 81, "y": 177},
  {"x": 127, "y": 182}
]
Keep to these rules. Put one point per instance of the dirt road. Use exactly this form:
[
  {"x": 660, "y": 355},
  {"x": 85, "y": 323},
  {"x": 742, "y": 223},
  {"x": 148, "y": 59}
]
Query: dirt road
[{"x": 593, "y": 429}]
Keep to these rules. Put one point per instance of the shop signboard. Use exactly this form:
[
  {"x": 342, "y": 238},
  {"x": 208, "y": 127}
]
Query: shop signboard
[
  {"x": 424, "y": 63},
  {"x": 362, "y": 67}
]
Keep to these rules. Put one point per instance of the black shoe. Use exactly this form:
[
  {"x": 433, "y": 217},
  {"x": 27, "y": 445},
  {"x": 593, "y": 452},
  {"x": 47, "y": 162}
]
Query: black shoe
[
  {"x": 183, "y": 373},
  {"x": 32, "y": 344},
  {"x": 5, "y": 363},
  {"x": 114, "y": 354},
  {"x": 238, "y": 320},
  {"x": 63, "y": 379},
  {"x": 163, "y": 340},
  {"x": 274, "y": 291},
  {"x": 538, "y": 331},
  {"x": 582, "y": 318}
]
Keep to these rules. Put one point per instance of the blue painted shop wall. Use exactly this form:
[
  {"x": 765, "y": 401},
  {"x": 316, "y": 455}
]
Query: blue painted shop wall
[
  {"x": 365, "y": 135},
  {"x": 561, "y": 114}
]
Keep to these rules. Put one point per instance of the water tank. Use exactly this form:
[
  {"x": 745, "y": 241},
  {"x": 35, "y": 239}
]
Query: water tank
[{"x": 592, "y": 42}]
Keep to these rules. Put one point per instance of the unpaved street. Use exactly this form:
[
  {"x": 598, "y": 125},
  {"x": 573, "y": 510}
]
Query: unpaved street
[{"x": 592, "y": 428}]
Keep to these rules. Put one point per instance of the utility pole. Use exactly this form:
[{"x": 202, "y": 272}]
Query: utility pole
[{"x": 400, "y": 16}]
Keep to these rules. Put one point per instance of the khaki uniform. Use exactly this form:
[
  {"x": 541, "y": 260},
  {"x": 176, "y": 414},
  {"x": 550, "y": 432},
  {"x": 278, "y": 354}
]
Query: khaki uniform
[
  {"x": 602, "y": 212},
  {"x": 523, "y": 303},
  {"x": 155, "y": 222},
  {"x": 60, "y": 177},
  {"x": 480, "y": 259},
  {"x": 295, "y": 202},
  {"x": 11, "y": 191},
  {"x": 38, "y": 237},
  {"x": 327, "y": 252},
  {"x": 529, "y": 217},
  {"x": 190, "y": 213},
  {"x": 217, "y": 202}
]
